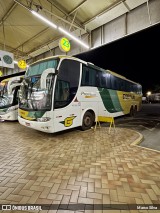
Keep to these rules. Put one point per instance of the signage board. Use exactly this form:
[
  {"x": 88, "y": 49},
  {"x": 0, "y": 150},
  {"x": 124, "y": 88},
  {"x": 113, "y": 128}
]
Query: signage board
[
  {"x": 6, "y": 59},
  {"x": 22, "y": 64},
  {"x": 64, "y": 44}
]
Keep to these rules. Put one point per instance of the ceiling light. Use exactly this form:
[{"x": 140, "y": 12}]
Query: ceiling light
[
  {"x": 43, "y": 19},
  {"x": 73, "y": 37}
]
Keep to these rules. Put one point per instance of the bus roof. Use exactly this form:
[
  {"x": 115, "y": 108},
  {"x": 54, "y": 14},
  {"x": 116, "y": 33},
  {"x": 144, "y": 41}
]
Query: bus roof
[
  {"x": 59, "y": 56},
  {"x": 86, "y": 63}
]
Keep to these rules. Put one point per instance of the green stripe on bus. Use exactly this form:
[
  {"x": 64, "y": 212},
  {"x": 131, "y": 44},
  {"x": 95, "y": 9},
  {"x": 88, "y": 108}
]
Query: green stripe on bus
[
  {"x": 110, "y": 100},
  {"x": 115, "y": 100}
]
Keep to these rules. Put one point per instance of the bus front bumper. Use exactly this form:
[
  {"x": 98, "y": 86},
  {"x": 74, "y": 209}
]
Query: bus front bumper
[
  {"x": 9, "y": 116},
  {"x": 41, "y": 126}
]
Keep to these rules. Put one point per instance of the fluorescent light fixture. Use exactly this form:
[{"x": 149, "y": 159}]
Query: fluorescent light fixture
[
  {"x": 73, "y": 37},
  {"x": 44, "y": 19}
]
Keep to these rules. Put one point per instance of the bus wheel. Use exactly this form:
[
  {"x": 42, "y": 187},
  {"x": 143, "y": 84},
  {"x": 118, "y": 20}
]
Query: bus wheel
[
  {"x": 135, "y": 110},
  {"x": 131, "y": 112},
  {"x": 87, "y": 121}
]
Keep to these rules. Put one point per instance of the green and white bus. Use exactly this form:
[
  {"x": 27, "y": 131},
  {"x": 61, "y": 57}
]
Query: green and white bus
[
  {"x": 9, "y": 98},
  {"x": 63, "y": 92}
]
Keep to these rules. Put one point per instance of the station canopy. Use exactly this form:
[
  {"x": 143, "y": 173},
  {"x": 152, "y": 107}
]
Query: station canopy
[{"x": 26, "y": 36}]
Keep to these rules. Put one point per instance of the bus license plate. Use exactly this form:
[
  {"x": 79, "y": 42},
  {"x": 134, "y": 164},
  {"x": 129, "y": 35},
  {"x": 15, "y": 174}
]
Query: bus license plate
[{"x": 27, "y": 124}]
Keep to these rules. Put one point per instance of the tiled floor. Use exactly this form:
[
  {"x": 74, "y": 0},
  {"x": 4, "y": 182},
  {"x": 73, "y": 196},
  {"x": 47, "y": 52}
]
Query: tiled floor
[{"x": 76, "y": 167}]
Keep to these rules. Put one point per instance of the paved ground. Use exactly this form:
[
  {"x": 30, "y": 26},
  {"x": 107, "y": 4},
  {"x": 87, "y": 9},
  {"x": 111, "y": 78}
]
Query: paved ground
[
  {"x": 147, "y": 122},
  {"x": 76, "y": 167}
]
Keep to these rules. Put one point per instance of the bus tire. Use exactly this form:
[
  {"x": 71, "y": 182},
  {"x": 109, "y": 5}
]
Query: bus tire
[
  {"x": 131, "y": 113},
  {"x": 88, "y": 120},
  {"x": 135, "y": 110}
]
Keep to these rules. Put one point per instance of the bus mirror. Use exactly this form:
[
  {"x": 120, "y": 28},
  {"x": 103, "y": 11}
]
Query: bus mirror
[
  {"x": 44, "y": 76},
  {"x": 10, "y": 88},
  {"x": 11, "y": 83}
]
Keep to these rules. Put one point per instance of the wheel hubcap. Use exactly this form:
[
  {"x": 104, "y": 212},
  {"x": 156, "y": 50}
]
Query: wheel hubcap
[{"x": 87, "y": 121}]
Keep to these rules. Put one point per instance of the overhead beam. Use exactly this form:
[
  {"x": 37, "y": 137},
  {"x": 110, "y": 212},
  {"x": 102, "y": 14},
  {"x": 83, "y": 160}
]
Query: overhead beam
[
  {"x": 11, "y": 50},
  {"x": 76, "y": 8},
  {"x": 43, "y": 45},
  {"x": 64, "y": 20},
  {"x": 126, "y": 5},
  {"x": 106, "y": 10},
  {"x": 8, "y": 12},
  {"x": 58, "y": 7},
  {"x": 38, "y": 34},
  {"x": 23, "y": 5}
]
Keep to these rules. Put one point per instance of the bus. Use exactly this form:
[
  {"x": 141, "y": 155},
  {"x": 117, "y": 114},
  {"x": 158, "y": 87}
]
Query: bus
[
  {"x": 9, "y": 98},
  {"x": 154, "y": 98},
  {"x": 63, "y": 92}
]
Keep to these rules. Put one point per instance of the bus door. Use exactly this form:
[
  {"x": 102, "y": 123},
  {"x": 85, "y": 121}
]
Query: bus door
[{"x": 66, "y": 107}]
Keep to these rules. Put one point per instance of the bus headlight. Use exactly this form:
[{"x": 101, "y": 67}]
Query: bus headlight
[{"x": 43, "y": 119}]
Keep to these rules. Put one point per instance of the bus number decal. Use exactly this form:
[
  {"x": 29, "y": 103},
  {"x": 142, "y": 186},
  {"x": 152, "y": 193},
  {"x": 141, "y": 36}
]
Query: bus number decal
[{"x": 68, "y": 121}]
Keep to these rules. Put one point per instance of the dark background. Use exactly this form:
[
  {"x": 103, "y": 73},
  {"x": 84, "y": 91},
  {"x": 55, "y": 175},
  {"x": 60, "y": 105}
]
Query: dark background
[{"x": 137, "y": 57}]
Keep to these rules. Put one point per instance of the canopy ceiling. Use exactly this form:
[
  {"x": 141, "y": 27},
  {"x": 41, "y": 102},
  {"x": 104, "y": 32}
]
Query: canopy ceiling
[{"x": 22, "y": 33}]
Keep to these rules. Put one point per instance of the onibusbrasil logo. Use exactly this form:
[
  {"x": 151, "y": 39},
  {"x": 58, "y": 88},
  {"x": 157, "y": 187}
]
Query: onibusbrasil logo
[{"x": 7, "y": 59}]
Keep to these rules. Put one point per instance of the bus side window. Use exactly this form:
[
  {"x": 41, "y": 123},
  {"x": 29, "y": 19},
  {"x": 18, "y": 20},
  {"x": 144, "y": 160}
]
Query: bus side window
[
  {"x": 15, "y": 95},
  {"x": 88, "y": 76},
  {"x": 102, "y": 79},
  {"x": 61, "y": 93},
  {"x": 85, "y": 76},
  {"x": 122, "y": 85},
  {"x": 93, "y": 77}
]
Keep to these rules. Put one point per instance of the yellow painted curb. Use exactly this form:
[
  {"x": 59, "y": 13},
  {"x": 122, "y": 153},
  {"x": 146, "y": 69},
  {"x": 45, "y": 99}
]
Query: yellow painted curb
[{"x": 139, "y": 140}]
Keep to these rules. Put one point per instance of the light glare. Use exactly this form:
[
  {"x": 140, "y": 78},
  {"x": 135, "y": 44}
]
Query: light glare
[{"x": 44, "y": 19}]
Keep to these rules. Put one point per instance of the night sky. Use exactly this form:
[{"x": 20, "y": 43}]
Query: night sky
[{"x": 137, "y": 57}]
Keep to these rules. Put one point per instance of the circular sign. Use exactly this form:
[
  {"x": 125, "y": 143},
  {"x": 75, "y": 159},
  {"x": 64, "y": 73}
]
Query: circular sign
[
  {"x": 22, "y": 64},
  {"x": 7, "y": 59},
  {"x": 1, "y": 73},
  {"x": 64, "y": 45}
]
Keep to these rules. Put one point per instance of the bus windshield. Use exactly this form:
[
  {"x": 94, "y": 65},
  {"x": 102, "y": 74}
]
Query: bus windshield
[
  {"x": 5, "y": 99},
  {"x": 3, "y": 88},
  {"x": 31, "y": 95},
  {"x": 38, "y": 68}
]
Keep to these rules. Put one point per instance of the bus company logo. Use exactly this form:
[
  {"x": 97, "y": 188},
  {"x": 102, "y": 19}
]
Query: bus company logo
[
  {"x": 128, "y": 96},
  {"x": 68, "y": 121},
  {"x": 89, "y": 94},
  {"x": 7, "y": 59}
]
